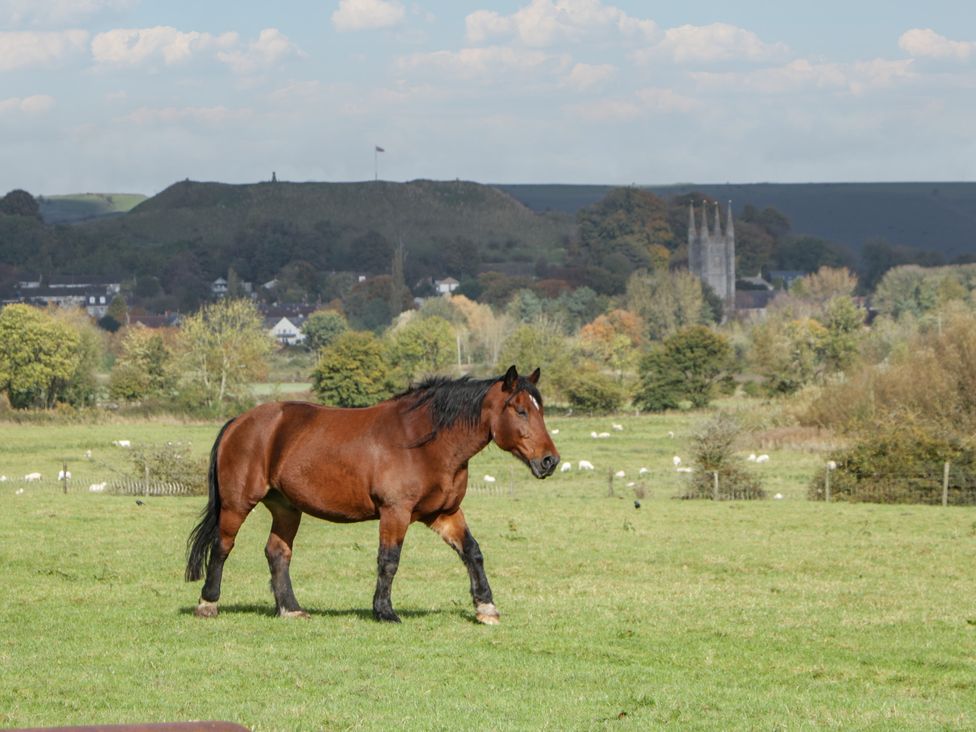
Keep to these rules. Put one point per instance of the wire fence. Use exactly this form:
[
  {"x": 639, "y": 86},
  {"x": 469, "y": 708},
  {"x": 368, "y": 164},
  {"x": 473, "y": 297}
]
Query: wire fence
[{"x": 945, "y": 484}]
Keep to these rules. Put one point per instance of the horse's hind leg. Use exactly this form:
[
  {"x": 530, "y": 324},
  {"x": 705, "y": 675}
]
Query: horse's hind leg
[
  {"x": 454, "y": 530},
  {"x": 284, "y": 526},
  {"x": 229, "y": 524}
]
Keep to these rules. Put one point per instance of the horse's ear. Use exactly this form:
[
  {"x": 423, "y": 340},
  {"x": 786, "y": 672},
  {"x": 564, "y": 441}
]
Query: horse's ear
[
  {"x": 510, "y": 378},
  {"x": 534, "y": 376}
]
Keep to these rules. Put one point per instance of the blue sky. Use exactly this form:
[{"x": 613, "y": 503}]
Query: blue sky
[{"x": 132, "y": 95}]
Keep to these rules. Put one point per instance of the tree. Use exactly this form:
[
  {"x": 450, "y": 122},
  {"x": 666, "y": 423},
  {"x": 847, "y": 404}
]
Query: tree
[
  {"x": 38, "y": 356},
  {"x": 690, "y": 365},
  {"x": 789, "y": 353},
  {"x": 82, "y": 386},
  {"x": 539, "y": 344},
  {"x": 422, "y": 347},
  {"x": 144, "y": 368},
  {"x": 322, "y": 327},
  {"x": 20, "y": 203},
  {"x": 352, "y": 371},
  {"x": 612, "y": 340},
  {"x": 666, "y": 301},
  {"x": 222, "y": 348},
  {"x": 844, "y": 321}
]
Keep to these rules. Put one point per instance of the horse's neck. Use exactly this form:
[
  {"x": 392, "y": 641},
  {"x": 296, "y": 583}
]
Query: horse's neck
[{"x": 466, "y": 442}]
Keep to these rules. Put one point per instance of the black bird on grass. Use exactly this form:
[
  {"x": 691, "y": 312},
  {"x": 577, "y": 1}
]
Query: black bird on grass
[{"x": 636, "y": 504}]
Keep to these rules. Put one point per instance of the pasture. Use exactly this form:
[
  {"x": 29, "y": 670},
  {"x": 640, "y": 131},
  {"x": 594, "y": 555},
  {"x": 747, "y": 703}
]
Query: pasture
[{"x": 776, "y": 614}]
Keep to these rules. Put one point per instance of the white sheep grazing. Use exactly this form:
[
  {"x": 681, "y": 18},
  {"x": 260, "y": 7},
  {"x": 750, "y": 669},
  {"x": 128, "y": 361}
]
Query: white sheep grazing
[
  {"x": 643, "y": 471},
  {"x": 565, "y": 467},
  {"x": 631, "y": 484},
  {"x": 683, "y": 470},
  {"x": 831, "y": 465},
  {"x": 671, "y": 434},
  {"x": 762, "y": 459},
  {"x": 554, "y": 432},
  {"x": 594, "y": 435},
  {"x": 32, "y": 477},
  {"x": 603, "y": 435},
  {"x": 620, "y": 474},
  {"x": 618, "y": 427},
  {"x": 752, "y": 457},
  {"x": 3, "y": 478},
  {"x": 489, "y": 478},
  {"x": 585, "y": 465},
  {"x": 676, "y": 460},
  {"x": 778, "y": 496},
  {"x": 87, "y": 454},
  {"x": 96, "y": 487},
  {"x": 64, "y": 474},
  {"x": 122, "y": 443}
]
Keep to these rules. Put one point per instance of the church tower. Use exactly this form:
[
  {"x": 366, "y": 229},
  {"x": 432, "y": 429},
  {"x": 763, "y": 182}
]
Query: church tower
[{"x": 711, "y": 252}]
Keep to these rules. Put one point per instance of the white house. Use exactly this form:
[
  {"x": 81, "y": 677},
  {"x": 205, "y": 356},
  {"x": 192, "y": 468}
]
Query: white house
[
  {"x": 446, "y": 286},
  {"x": 286, "y": 332}
]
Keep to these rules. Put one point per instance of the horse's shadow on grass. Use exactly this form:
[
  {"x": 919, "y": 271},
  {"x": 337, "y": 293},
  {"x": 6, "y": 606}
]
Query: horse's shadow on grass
[{"x": 359, "y": 613}]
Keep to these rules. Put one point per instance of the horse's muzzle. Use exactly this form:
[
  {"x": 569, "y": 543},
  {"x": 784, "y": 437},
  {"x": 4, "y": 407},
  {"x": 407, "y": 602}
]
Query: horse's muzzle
[{"x": 544, "y": 467}]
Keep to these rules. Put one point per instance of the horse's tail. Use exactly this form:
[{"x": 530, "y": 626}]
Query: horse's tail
[{"x": 207, "y": 532}]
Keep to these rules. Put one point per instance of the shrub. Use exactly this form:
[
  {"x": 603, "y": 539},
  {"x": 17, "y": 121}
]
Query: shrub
[
  {"x": 171, "y": 462},
  {"x": 900, "y": 462},
  {"x": 713, "y": 452},
  {"x": 593, "y": 392}
]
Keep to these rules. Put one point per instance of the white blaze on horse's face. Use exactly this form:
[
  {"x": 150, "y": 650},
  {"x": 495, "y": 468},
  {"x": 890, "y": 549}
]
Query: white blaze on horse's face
[{"x": 534, "y": 402}]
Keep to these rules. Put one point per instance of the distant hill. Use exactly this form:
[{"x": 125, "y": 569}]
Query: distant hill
[
  {"x": 930, "y": 216},
  {"x": 195, "y": 230},
  {"x": 67, "y": 209}
]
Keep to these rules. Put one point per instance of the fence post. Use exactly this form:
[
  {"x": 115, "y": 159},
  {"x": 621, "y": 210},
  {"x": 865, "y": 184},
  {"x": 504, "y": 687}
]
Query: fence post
[
  {"x": 64, "y": 475},
  {"x": 945, "y": 484},
  {"x": 714, "y": 485},
  {"x": 827, "y": 484},
  {"x": 610, "y": 482}
]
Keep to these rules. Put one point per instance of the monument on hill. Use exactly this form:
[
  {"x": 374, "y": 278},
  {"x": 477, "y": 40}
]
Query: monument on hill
[{"x": 711, "y": 252}]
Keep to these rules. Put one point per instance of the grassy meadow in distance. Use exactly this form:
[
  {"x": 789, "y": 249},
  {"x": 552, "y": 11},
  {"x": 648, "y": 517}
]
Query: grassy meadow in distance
[{"x": 775, "y": 614}]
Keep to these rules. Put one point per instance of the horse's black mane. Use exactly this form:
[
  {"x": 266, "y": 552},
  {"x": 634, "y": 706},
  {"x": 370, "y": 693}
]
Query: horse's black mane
[{"x": 450, "y": 401}]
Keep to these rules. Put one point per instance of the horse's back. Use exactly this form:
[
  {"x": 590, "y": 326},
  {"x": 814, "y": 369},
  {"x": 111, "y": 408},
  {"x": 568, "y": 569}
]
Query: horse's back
[{"x": 320, "y": 459}]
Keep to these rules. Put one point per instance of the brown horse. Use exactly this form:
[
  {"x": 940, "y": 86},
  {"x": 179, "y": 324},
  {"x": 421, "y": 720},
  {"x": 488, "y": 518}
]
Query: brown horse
[{"x": 400, "y": 461}]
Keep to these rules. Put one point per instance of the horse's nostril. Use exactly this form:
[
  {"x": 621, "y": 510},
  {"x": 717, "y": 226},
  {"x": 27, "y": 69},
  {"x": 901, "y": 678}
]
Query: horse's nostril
[{"x": 548, "y": 462}]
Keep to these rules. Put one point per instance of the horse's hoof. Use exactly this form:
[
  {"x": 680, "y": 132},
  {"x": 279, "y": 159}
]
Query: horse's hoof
[
  {"x": 386, "y": 617},
  {"x": 205, "y": 609},
  {"x": 487, "y": 614},
  {"x": 292, "y": 614}
]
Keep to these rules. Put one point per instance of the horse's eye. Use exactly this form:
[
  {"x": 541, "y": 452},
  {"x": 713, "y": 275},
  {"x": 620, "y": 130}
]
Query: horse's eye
[{"x": 521, "y": 412}]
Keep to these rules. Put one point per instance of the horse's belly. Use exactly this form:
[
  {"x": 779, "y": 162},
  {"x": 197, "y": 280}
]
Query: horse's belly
[{"x": 333, "y": 502}]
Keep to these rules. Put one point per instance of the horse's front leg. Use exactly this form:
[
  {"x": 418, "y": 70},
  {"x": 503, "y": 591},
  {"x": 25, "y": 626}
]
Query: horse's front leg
[
  {"x": 393, "y": 528},
  {"x": 454, "y": 530}
]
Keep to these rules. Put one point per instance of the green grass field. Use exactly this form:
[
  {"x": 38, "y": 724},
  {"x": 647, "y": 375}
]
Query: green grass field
[{"x": 780, "y": 614}]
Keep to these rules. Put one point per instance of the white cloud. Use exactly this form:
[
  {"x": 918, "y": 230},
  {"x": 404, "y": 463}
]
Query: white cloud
[
  {"x": 270, "y": 47},
  {"x": 354, "y": 15},
  {"x": 25, "y": 49},
  {"x": 57, "y": 12},
  {"x": 645, "y": 102},
  {"x": 712, "y": 43},
  {"x": 484, "y": 62},
  {"x": 543, "y": 23},
  {"x": 587, "y": 76},
  {"x": 926, "y": 43},
  {"x": 135, "y": 46},
  {"x": 180, "y": 115},
  {"x": 801, "y": 76},
  {"x": 29, "y": 105}
]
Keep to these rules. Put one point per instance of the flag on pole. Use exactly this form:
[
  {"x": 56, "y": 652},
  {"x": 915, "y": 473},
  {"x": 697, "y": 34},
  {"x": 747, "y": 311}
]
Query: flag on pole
[{"x": 379, "y": 149}]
